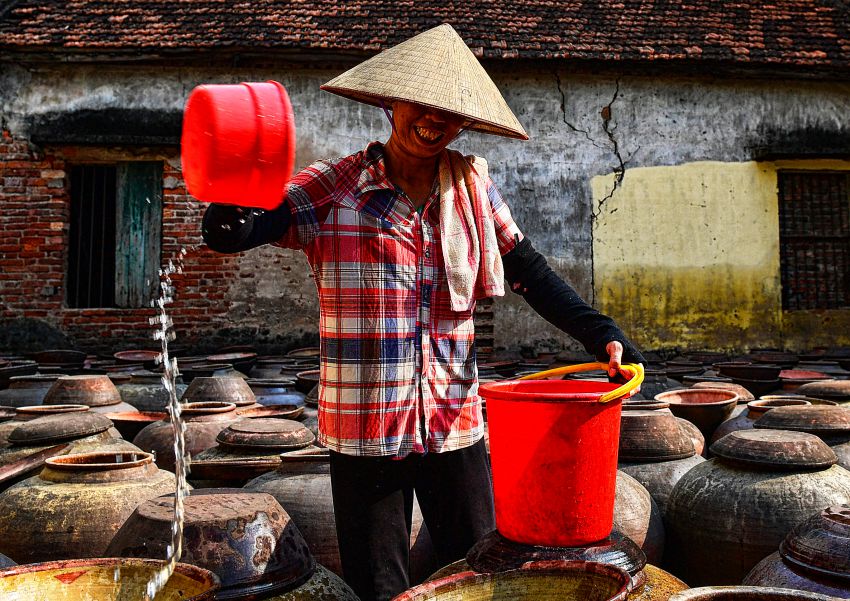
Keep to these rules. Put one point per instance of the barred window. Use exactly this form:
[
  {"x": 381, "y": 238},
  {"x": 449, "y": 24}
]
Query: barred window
[
  {"x": 115, "y": 236},
  {"x": 814, "y": 239}
]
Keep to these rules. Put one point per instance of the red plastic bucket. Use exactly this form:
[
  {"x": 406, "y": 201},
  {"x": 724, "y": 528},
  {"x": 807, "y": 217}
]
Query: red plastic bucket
[
  {"x": 553, "y": 451},
  {"x": 238, "y": 143}
]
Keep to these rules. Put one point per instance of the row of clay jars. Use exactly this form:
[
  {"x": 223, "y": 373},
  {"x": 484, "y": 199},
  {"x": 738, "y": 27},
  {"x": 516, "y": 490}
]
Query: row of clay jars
[
  {"x": 656, "y": 451},
  {"x": 73, "y": 507},
  {"x": 302, "y": 485},
  {"x": 726, "y": 514},
  {"x": 815, "y": 556},
  {"x": 247, "y": 539},
  {"x": 27, "y": 391},
  {"x": 84, "y": 431}
]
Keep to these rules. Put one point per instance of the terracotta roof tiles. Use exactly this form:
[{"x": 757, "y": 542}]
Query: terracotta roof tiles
[{"x": 794, "y": 33}]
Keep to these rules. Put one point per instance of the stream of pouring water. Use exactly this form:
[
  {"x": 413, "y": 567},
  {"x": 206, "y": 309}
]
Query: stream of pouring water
[{"x": 164, "y": 332}]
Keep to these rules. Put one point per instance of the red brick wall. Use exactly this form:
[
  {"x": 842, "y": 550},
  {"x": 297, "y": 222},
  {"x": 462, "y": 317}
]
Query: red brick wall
[{"x": 34, "y": 212}]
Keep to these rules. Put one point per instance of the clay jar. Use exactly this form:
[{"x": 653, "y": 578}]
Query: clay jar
[
  {"x": 248, "y": 448},
  {"x": 276, "y": 392},
  {"x": 706, "y": 408},
  {"x": 638, "y": 517},
  {"x": 746, "y": 593},
  {"x": 74, "y": 506},
  {"x": 815, "y": 556},
  {"x": 302, "y": 485},
  {"x": 146, "y": 392},
  {"x": 203, "y": 422},
  {"x": 754, "y": 410},
  {"x": 829, "y": 390},
  {"x": 830, "y": 423},
  {"x": 104, "y": 580},
  {"x": 85, "y": 431},
  {"x": 26, "y": 391},
  {"x": 538, "y": 581},
  {"x": 656, "y": 451},
  {"x": 728, "y": 513},
  {"x": 246, "y": 539},
  {"x": 744, "y": 395},
  {"x": 98, "y": 392},
  {"x": 26, "y": 414},
  {"x": 219, "y": 390}
]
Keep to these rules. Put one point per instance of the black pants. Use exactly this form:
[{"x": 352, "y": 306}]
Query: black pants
[{"x": 373, "y": 504}]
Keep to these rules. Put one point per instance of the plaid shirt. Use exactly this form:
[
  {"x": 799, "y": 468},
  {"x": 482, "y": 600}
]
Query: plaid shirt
[{"x": 398, "y": 372}]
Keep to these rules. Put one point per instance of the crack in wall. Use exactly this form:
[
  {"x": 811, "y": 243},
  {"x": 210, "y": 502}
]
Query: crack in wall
[
  {"x": 607, "y": 114},
  {"x": 564, "y": 114}
]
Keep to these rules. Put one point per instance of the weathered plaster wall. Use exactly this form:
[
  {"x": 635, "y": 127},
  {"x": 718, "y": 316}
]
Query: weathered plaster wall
[
  {"x": 702, "y": 268},
  {"x": 581, "y": 126}
]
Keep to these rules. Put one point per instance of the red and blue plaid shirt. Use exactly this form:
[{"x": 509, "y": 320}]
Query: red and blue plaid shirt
[{"x": 398, "y": 372}]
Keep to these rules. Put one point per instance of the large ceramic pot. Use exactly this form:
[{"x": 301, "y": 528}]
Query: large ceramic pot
[
  {"x": 706, "y": 408},
  {"x": 146, "y": 392},
  {"x": 85, "y": 431},
  {"x": 26, "y": 414},
  {"x": 538, "y": 581},
  {"x": 815, "y": 556},
  {"x": 276, "y": 392},
  {"x": 202, "y": 422},
  {"x": 26, "y": 391},
  {"x": 656, "y": 451},
  {"x": 74, "y": 506},
  {"x": 728, "y": 513},
  {"x": 744, "y": 395},
  {"x": 302, "y": 485},
  {"x": 103, "y": 580},
  {"x": 753, "y": 411},
  {"x": 246, "y": 449},
  {"x": 246, "y": 539},
  {"x": 830, "y": 423},
  {"x": 637, "y": 516},
  {"x": 98, "y": 392},
  {"x": 746, "y": 593},
  {"x": 828, "y": 390}
]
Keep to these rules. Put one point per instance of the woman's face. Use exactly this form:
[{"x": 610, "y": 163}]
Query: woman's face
[{"x": 421, "y": 131}]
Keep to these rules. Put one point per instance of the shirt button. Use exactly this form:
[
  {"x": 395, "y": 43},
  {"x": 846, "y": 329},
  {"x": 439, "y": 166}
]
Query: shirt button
[{"x": 427, "y": 253}]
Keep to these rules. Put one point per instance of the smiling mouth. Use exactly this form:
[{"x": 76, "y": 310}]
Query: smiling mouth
[{"x": 429, "y": 136}]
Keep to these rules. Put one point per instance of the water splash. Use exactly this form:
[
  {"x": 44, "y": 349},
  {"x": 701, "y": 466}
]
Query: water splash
[{"x": 164, "y": 332}]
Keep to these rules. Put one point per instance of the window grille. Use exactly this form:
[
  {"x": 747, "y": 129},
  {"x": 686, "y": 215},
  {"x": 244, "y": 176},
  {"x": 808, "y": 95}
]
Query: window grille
[
  {"x": 814, "y": 239},
  {"x": 115, "y": 234}
]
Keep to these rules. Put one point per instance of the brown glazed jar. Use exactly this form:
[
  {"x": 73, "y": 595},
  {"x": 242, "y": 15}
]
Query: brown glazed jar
[
  {"x": 25, "y": 391},
  {"x": 753, "y": 411},
  {"x": 656, "y": 451},
  {"x": 146, "y": 392},
  {"x": 26, "y": 414},
  {"x": 87, "y": 432},
  {"x": 246, "y": 449},
  {"x": 213, "y": 389},
  {"x": 246, "y": 539},
  {"x": 830, "y": 423},
  {"x": 74, "y": 506},
  {"x": 98, "y": 392},
  {"x": 302, "y": 485},
  {"x": 815, "y": 556},
  {"x": 203, "y": 422},
  {"x": 728, "y": 513},
  {"x": 746, "y": 593},
  {"x": 638, "y": 517}
]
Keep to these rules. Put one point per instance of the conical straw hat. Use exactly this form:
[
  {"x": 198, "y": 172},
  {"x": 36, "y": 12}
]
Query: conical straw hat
[{"x": 434, "y": 68}]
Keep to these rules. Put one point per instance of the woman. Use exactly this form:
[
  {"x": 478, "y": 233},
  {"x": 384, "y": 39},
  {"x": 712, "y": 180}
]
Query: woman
[{"x": 403, "y": 237}]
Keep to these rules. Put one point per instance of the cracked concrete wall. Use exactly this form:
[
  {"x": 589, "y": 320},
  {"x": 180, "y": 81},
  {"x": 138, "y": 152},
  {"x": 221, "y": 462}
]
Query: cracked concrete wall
[{"x": 581, "y": 126}]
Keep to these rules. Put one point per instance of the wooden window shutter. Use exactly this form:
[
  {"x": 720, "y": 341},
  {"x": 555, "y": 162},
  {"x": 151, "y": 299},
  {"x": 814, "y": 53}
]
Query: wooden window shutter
[{"x": 138, "y": 239}]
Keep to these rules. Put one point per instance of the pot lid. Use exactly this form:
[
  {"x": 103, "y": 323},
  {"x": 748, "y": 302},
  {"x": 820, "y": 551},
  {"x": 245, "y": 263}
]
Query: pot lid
[
  {"x": 495, "y": 553},
  {"x": 814, "y": 419},
  {"x": 775, "y": 449},
  {"x": 744, "y": 395},
  {"x": 56, "y": 428},
  {"x": 208, "y": 389},
  {"x": 245, "y": 538},
  {"x": 828, "y": 389},
  {"x": 274, "y": 433},
  {"x": 634, "y": 404},
  {"x": 822, "y": 543},
  {"x": 647, "y": 435},
  {"x": 91, "y": 390}
]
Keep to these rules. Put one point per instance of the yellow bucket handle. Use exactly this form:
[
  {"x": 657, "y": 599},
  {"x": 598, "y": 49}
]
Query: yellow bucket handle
[{"x": 635, "y": 369}]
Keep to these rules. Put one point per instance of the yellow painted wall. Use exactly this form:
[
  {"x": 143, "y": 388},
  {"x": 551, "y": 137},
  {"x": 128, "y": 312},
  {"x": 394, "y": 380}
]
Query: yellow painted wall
[{"x": 688, "y": 256}]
